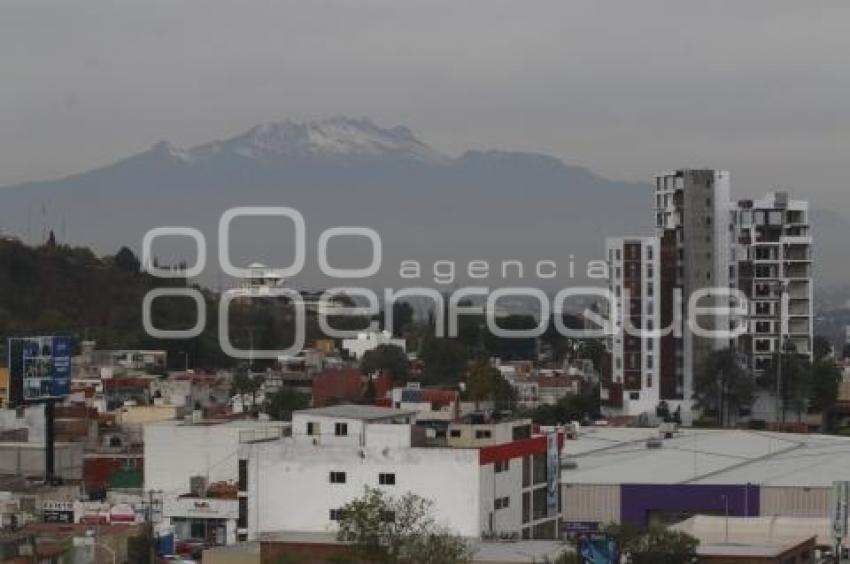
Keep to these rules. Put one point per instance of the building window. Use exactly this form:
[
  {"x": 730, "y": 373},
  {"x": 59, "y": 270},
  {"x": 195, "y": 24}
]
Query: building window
[
  {"x": 455, "y": 433},
  {"x": 337, "y": 477},
  {"x": 341, "y": 429},
  {"x": 386, "y": 479},
  {"x": 502, "y": 503},
  {"x": 482, "y": 434},
  {"x": 336, "y": 514},
  {"x": 634, "y": 396},
  {"x": 312, "y": 428},
  {"x": 243, "y": 475},
  {"x": 502, "y": 466},
  {"x": 242, "y": 519}
]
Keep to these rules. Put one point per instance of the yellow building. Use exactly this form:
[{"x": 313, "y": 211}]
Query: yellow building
[{"x": 4, "y": 387}]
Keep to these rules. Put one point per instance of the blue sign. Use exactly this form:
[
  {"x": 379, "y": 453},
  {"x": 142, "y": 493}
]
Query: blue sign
[
  {"x": 40, "y": 368},
  {"x": 580, "y": 527},
  {"x": 598, "y": 549}
]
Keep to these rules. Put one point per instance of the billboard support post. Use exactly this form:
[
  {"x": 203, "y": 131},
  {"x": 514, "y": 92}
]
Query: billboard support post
[{"x": 49, "y": 441}]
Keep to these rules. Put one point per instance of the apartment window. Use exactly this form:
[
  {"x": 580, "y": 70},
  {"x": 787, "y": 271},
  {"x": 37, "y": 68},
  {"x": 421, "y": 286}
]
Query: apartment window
[
  {"x": 649, "y": 252},
  {"x": 312, "y": 428},
  {"x": 455, "y": 433},
  {"x": 482, "y": 434},
  {"x": 243, "y": 475},
  {"x": 386, "y": 479},
  {"x": 336, "y": 514},
  {"x": 650, "y": 289},
  {"x": 242, "y": 519},
  {"x": 649, "y": 362},
  {"x": 502, "y": 503},
  {"x": 618, "y": 254},
  {"x": 502, "y": 466},
  {"x": 341, "y": 429},
  {"x": 337, "y": 477},
  {"x": 634, "y": 396}
]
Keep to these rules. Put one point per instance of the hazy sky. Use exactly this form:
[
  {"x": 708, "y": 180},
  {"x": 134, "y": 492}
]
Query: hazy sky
[{"x": 626, "y": 88}]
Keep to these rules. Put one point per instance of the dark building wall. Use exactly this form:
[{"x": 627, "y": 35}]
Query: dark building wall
[{"x": 639, "y": 501}]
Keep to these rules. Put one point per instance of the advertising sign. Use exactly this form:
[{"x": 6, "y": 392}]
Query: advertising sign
[
  {"x": 58, "y": 511},
  {"x": 553, "y": 473},
  {"x": 840, "y": 500},
  {"x": 39, "y": 368},
  {"x": 598, "y": 549}
]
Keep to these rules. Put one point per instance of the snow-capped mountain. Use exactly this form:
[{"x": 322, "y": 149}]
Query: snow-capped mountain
[
  {"x": 492, "y": 205},
  {"x": 334, "y": 137}
]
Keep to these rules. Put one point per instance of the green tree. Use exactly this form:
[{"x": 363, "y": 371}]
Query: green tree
[
  {"x": 723, "y": 385},
  {"x": 386, "y": 357},
  {"x": 398, "y": 531},
  {"x": 656, "y": 545},
  {"x": 244, "y": 384},
  {"x": 796, "y": 381},
  {"x": 280, "y": 405},
  {"x": 485, "y": 383},
  {"x": 445, "y": 360},
  {"x": 126, "y": 260},
  {"x": 572, "y": 407}
]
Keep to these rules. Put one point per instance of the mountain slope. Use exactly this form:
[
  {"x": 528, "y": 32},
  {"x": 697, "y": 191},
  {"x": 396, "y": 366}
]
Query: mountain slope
[
  {"x": 493, "y": 205},
  {"x": 488, "y": 205}
]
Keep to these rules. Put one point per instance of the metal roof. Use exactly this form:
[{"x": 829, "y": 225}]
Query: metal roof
[{"x": 702, "y": 456}]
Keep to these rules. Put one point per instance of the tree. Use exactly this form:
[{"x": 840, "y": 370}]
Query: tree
[
  {"x": 126, "y": 260},
  {"x": 244, "y": 384},
  {"x": 445, "y": 360},
  {"x": 572, "y": 407},
  {"x": 656, "y": 545},
  {"x": 398, "y": 531},
  {"x": 723, "y": 385},
  {"x": 280, "y": 405},
  {"x": 485, "y": 383},
  {"x": 826, "y": 378},
  {"x": 385, "y": 357},
  {"x": 796, "y": 380}
]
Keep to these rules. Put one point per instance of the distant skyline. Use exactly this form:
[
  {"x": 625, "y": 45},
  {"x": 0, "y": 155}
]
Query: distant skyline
[{"x": 624, "y": 88}]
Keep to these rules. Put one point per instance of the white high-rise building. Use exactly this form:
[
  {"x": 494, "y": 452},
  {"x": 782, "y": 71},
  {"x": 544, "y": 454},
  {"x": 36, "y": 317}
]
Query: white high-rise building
[
  {"x": 634, "y": 387},
  {"x": 693, "y": 223},
  {"x": 773, "y": 256}
]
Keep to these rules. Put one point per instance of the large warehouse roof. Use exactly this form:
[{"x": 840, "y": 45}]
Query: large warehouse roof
[{"x": 701, "y": 456}]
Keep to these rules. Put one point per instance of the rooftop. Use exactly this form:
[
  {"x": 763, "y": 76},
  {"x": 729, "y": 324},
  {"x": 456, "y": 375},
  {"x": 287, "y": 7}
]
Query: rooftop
[
  {"x": 361, "y": 412},
  {"x": 755, "y": 536},
  {"x": 616, "y": 455}
]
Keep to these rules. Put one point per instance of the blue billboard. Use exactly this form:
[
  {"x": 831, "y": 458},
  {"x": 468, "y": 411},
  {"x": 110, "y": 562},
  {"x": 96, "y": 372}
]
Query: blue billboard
[
  {"x": 598, "y": 549},
  {"x": 39, "y": 368}
]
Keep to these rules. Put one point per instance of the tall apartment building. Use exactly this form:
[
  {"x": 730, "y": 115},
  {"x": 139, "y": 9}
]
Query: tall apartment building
[
  {"x": 773, "y": 258},
  {"x": 693, "y": 224},
  {"x": 704, "y": 241},
  {"x": 632, "y": 386}
]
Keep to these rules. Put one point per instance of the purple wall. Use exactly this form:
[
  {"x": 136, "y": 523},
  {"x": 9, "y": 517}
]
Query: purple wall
[{"x": 638, "y": 500}]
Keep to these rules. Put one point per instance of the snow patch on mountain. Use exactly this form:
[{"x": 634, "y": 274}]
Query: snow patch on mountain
[{"x": 332, "y": 137}]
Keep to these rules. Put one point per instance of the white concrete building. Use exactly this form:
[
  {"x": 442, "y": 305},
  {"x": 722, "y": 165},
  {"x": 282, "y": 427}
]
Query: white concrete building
[
  {"x": 366, "y": 342},
  {"x": 176, "y": 451},
  {"x": 694, "y": 227},
  {"x": 484, "y": 479},
  {"x": 633, "y": 388},
  {"x": 774, "y": 268}
]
